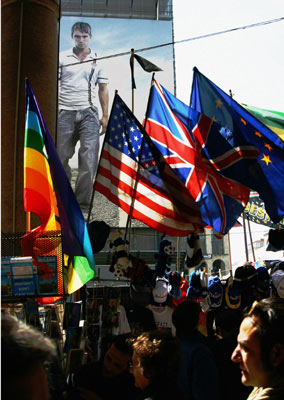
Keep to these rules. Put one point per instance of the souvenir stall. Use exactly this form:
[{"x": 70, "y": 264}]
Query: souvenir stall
[{"x": 135, "y": 298}]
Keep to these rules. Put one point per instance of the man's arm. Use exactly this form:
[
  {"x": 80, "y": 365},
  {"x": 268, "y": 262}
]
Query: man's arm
[{"x": 104, "y": 99}]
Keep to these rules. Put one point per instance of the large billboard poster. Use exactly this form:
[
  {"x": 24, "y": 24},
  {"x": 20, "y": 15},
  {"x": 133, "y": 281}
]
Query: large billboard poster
[{"x": 112, "y": 40}]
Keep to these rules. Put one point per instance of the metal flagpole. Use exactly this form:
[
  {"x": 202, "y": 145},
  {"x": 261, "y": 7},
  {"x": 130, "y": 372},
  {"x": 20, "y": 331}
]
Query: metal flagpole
[
  {"x": 132, "y": 71},
  {"x": 138, "y": 167},
  {"x": 245, "y": 237},
  {"x": 251, "y": 242}
]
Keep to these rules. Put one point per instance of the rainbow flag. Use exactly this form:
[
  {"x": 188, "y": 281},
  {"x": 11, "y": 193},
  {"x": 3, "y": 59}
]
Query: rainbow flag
[{"x": 48, "y": 193}]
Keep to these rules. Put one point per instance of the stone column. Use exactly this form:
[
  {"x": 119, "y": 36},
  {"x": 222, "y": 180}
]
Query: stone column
[{"x": 30, "y": 37}]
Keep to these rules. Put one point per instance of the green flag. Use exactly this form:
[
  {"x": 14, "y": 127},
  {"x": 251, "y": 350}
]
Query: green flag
[{"x": 272, "y": 119}]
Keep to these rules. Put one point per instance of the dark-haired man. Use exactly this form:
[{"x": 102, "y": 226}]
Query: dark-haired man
[
  {"x": 24, "y": 352},
  {"x": 78, "y": 119},
  {"x": 106, "y": 379},
  {"x": 260, "y": 349}
]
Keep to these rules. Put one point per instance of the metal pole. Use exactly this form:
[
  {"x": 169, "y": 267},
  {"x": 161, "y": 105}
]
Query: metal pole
[
  {"x": 251, "y": 242},
  {"x": 245, "y": 237}
]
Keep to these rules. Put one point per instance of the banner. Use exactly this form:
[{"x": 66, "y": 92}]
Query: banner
[{"x": 255, "y": 212}]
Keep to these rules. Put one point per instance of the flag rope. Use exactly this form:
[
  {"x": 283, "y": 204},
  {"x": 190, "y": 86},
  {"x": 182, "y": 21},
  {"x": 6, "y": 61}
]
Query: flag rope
[{"x": 255, "y": 25}]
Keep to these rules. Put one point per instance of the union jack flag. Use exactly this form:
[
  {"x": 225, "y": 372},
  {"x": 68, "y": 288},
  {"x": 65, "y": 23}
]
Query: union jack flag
[
  {"x": 133, "y": 175},
  {"x": 181, "y": 134}
]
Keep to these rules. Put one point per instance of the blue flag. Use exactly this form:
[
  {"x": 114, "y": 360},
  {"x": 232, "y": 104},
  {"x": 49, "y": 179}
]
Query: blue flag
[
  {"x": 181, "y": 134},
  {"x": 263, "y": 174}
]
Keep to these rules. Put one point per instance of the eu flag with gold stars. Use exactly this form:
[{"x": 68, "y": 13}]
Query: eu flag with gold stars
[{"x": 264, "y": 173}]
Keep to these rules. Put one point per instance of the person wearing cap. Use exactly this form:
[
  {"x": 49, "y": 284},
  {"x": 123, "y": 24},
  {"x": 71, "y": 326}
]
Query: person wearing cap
[
  {"x": 155, "y": 365},
  {"x": 260, "y": 349},
  {"x": 198, "y": 377}
]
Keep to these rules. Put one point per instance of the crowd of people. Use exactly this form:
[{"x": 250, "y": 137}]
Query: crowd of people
[{"x": 243, "y": 359}]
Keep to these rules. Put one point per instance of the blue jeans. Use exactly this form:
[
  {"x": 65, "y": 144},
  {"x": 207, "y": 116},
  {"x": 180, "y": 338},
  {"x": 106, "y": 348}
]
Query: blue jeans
[{"x": 83, "y": 126}]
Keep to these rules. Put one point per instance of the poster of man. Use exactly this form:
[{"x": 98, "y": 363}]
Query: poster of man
[{"x": 94, "y": 62}]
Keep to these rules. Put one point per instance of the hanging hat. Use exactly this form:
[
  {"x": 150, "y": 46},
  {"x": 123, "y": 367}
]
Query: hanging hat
[
  {"x": 215, "y": 291},
  {"x": 140, "y": 294},
  {"x": 275, "y": 240},
  {"x": 232, "y": 294},
  {"x": 183, "y": 297},
  {"x": 263, "y": 281},
  {"x": 175, "y": 282},
  {"x": 99, "y": 232},
  {"x": 195, "y": 288},
  {"x": 160, "y": 291},
  {"x": 278, "y": 282}
]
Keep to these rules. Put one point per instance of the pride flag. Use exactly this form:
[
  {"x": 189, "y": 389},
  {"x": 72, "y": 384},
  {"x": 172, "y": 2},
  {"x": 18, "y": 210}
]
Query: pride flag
[{"x": 48, "y": 193}]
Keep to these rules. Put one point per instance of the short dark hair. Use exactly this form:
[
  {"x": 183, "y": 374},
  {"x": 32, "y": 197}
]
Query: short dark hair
[
  {"x": 82, "y": 27},
  {"x": 121, "y": 343},
  {"x": 22, "y": 347},
  {"x": 186, "y": 316},
  {"x": 269, "y": 324}
]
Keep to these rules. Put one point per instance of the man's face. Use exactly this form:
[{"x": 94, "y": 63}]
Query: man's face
[
  {"x": 247, "y": 355},
  {"x": 141, "y": 381},
  {"x": 81, "y": 39},
  {"x": 115, "y": 362}
]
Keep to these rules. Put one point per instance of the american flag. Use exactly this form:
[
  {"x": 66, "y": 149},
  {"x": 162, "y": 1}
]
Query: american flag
[
  {"x": 133, "y": 175},
  {"x": 180, "y": 133}
]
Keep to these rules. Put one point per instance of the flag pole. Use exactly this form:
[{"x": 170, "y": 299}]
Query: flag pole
[
  {"x": 137, "y": 172},
  {"x": 132, "y": 73},
  {"x": 230, "y": 254},
  {"x": 251, "y": 242},
  {"x": 28, "y": 221},
  {"x": 93, "y": 193},
  {"x": 178, "y": 254},
  {"x": 245, "y": 237}
]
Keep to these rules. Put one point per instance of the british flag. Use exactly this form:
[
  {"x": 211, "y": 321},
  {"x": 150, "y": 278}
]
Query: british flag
[{"x": 181, "y": 134}]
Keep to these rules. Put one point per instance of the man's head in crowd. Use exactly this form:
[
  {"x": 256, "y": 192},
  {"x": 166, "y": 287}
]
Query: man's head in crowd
[
  {"x": 260, "y": 349},
  {"x": 117, "y": 357},
  {"x": 24, "y": 351}
]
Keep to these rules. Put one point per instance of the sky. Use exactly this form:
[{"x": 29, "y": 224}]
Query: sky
[{"x": 249, "y": 62}]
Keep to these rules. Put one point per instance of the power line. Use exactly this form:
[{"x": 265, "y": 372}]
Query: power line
[{"x": 257, "y": 24}]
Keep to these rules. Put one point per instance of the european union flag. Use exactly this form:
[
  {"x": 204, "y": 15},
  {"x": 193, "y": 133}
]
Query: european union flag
[{"x": 264, "y": 173}]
